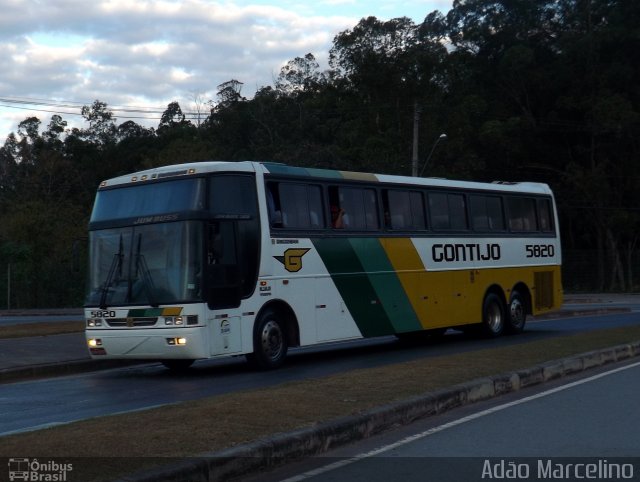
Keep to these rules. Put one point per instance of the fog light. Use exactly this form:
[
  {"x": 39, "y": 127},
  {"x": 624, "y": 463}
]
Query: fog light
[
  {"x": 177, "y": 341},
  {"x": 94, "y": 342}
]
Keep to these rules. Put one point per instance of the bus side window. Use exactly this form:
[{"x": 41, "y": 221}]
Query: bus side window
[
  {"x": 544, "y": 215},
  {"x": 404, "y": 210},
  {"x": 353, "y": 208},
  {"x": 486, "y": 213},
  {"x": 522, "y": 214},
  {"x": 447, "y": 211},
  {"x": 296, "y": 205},
  {"x": 273, "y": 205}
]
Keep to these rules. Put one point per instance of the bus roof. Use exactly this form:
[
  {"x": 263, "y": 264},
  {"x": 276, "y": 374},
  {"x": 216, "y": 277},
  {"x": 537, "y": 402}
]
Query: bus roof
[{"x": 179, "y": 170}]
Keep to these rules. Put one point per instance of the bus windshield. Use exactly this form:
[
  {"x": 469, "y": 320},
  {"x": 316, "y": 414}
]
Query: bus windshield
[
  {"x": 139, "y": 200},
  {"x": 149, "y": 264}
]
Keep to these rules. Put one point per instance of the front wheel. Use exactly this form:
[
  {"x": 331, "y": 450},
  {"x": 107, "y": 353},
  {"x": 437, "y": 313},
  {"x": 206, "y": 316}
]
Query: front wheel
[
  {"x": 269, "y": 342},
  {"x": 493, "y": 315},
  {"x": 517, "y": 313}
]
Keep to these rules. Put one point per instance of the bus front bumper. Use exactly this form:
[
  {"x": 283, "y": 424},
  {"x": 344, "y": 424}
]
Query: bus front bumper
[{"x": 182, "y": 343}]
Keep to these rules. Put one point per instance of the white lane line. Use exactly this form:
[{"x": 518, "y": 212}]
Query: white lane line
[{"x": 454, "y": 423}]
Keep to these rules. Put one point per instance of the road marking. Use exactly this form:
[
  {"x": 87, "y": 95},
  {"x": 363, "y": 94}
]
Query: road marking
[{"x": 454, "y": 423}]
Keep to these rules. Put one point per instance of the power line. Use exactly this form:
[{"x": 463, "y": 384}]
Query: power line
[{"x": 130, "y": 112}]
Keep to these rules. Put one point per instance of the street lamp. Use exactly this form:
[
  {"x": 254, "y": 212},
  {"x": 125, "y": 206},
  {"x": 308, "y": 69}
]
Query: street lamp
[{"x": 442, "y": 137}]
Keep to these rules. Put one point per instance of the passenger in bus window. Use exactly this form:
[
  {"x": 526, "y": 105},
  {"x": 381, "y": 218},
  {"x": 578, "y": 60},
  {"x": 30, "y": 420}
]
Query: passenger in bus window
[{"x": 337, "y": 217}]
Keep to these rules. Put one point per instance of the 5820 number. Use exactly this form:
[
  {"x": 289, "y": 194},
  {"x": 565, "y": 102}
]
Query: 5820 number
[
  {"x": 103, "y": 314},
  {"x": 540, "y": 250}
]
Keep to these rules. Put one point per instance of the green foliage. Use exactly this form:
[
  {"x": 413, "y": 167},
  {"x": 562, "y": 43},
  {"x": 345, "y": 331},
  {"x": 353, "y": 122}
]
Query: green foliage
[{"x": 539, "y": 90}]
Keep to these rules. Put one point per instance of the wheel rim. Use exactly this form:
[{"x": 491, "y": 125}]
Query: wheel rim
[
  {"x": 516, "y": 310},
  {"x": 494, "y": 317},
  {"x": 272, "y": 340}
]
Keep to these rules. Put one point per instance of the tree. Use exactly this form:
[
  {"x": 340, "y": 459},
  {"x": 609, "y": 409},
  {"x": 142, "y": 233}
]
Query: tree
[
  {"x": 300, "y": 75},
  {"x": 102, "y": 127},
  {"x": 172, "y": 118}
]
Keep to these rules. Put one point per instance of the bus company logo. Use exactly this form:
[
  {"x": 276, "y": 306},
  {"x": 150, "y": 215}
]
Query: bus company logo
[
  {"x": 292, "y": 259},
  {"x": 34, "y": 470}
]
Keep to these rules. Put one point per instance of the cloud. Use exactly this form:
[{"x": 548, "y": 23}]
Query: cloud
[{"x": 155, "y": 52}]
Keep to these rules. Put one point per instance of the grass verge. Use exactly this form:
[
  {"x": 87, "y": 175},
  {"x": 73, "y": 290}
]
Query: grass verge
[
  {"x": 211, "y": 424},
  {"x": 41, "y": 329}
]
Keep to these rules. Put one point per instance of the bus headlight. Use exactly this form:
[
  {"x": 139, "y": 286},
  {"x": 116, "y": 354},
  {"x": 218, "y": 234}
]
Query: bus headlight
[{"x": 174, "y": 320}]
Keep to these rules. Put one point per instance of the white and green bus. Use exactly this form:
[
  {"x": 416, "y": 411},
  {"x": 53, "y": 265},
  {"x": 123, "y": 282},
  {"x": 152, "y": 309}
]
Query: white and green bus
[{"x": 216, "y": 259}]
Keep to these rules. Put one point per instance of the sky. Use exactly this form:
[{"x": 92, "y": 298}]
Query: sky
[{"x": 137, "y": 56}]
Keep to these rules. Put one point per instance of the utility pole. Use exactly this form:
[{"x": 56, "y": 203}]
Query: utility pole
[{"x": 416, "y": 125}]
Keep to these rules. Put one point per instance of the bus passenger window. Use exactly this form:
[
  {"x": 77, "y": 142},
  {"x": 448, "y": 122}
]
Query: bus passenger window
[
  {"x": 295, "y": 205},
  {"x": 448, "y": 211},
  {"x": 404, "y": 210},
  {"x": 544, "y": 215},
  {"x": 354, "y": 209},
  {"x": 522, "y": 214},
  {"x": 273, "y": 205},
  {"x": 486, "y": 213}
]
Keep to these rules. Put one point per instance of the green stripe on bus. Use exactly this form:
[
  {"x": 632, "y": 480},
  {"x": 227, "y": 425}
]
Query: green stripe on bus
[
  {"x": 385, "y": 281},
  {"x": 275, "y": 168},
  {"x": 354, "y": 285},
  {"x": 302, "y": 171},
  {"x": 144, "y": 312},
  {"x": 325, "y": 173}
]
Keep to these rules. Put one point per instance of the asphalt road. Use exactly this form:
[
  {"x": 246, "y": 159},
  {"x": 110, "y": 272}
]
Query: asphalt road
[
  {"x": 36, "y": 404},
  {"x": 590, "y": 419}
]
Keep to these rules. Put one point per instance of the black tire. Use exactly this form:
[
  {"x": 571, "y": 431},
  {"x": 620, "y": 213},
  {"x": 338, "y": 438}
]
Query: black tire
[
  {"x": 516, "y": 313},
  {"x": 493, "y": 316},
  {"x": 177, "y": 365},
  {"x": 269, "y": 342}
]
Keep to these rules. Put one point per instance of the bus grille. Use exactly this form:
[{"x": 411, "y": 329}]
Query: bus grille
[
  {"x": 131, "y": 322},
  {"x": 544, "y": 289}
]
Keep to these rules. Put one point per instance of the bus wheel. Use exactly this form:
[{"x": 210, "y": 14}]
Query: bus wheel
[
  {"x": 517, "y": 313},
  {"x": 269, "y": 342},
  {"x": 493, "y": 315},
  {"x": 177, "y": 365}
]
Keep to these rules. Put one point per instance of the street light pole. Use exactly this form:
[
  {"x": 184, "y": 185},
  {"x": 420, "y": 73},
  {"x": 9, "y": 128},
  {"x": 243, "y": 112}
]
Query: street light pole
[
  {"x": 442, "y": 137},
  {"x": 416, "y": 130}
]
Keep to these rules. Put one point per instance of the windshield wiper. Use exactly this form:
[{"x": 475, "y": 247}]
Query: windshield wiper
[
  {"x": 147, "y": 280},
  {"x": 116, "y": 265}
]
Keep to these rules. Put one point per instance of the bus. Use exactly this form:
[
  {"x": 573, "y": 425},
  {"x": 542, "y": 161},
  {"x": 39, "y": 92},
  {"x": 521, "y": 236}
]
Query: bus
[{"x": 214, "y": 259}]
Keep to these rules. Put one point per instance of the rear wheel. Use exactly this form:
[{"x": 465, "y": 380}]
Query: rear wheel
[
  {"x": 269, "y": 342},
  {"x": 516, "y": 313},
  {"x": 493, "y": 315}
]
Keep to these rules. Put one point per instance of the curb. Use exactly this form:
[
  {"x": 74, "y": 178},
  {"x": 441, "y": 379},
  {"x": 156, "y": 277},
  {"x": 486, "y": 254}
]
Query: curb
[
  {"x": 269, "y": 452},
  {"x": 70, "y": 367}
]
